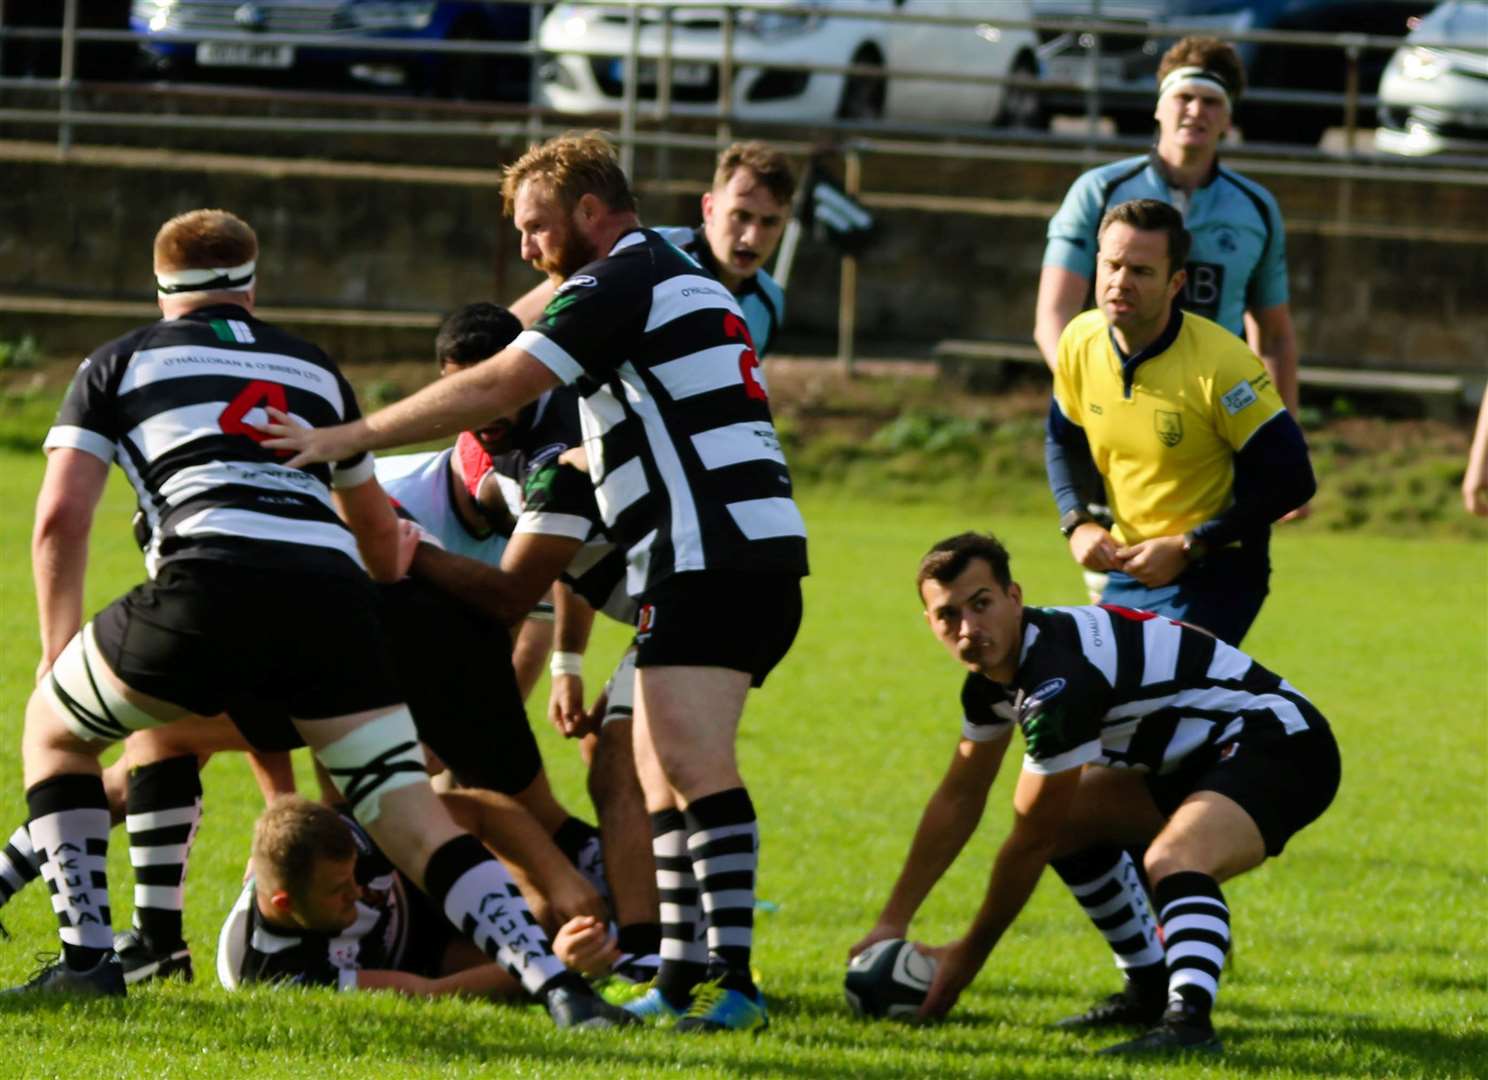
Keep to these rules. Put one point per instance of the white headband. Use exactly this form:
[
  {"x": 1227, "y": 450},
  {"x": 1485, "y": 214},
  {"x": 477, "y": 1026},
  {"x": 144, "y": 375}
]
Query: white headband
[
  {"x": 216, "y": 279},
  {"x": 1201, "y": 76}
]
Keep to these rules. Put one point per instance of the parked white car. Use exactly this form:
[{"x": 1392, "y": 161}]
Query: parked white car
[
  {"x": 1434, "y": 100},
  {"x": 587, "y": 47}
]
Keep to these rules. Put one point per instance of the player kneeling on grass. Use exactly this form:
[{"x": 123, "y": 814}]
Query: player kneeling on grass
[
  {"x": 324, "y": 907},
  {"x": 1138, "y": 730}
]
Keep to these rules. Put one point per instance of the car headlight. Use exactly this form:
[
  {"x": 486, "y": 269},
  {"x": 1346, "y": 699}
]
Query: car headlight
[
  {"x": 774, "y": 24},
  {"x": 392, "y": 14},
  {"x": 156, "y": 14},
  {"x": 1423, "y": 65}
]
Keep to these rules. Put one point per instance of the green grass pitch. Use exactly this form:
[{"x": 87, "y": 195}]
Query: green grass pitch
[{"x": 1360, "y": 953}]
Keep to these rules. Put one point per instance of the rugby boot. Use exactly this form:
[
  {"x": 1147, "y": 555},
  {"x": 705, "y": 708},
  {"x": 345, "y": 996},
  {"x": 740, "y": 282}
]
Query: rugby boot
[
  {"x": 1183, "y": 1029},
  {"x": 141, "y": 963},
  {"x": 1128, "y": 1007},
  {"x": 653, "y": 1008},
  {"x": 715, "y": 1008},
  {"x": 574, "y": 1006},
  {"x": 103, "y": 979}
]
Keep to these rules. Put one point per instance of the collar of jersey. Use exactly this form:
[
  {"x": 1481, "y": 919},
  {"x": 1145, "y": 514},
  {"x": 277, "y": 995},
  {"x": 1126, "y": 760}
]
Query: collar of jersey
[
  {"x": 1160, "y": 167},
  {"x": 703, "y": 253},
  {"x": 218, "y": 311},
  {"x": 1159, "y": 344}
]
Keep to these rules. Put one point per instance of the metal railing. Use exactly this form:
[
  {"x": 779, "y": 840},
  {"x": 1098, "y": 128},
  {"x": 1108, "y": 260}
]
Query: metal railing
[
  {"x": 641, "y": 122},
  {"x": 631, "y": 108}
]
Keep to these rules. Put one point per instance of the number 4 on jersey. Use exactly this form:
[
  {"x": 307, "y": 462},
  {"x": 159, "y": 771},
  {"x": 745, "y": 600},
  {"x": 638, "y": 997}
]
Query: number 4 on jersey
[
  {"x": 749, "y": 365},
  {"x": 256, "y": 394}
]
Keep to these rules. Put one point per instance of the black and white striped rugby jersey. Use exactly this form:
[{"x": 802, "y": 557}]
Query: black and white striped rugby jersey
[
  {"x": 173, "y": 404},
  {"x": 250, "y": 950},
  {"x": 558, "y": 500},
  {"x": 1106, "y": 685},
  {"x": 687, "y": 467}
]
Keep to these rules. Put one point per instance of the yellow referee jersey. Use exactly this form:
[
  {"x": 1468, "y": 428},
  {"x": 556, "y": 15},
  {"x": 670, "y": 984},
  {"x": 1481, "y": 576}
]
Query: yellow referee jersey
[{"x": 1166, "y": 446}]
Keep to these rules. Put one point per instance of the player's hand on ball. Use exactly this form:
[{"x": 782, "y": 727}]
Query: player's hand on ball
[
  {"x": 882, "y": 932},
  {"x": 956, "y": 965}
]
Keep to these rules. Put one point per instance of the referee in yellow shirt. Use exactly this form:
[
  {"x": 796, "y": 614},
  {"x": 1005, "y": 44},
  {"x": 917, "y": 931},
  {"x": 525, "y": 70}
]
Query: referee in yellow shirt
[{"x": 1173, "y": 422}]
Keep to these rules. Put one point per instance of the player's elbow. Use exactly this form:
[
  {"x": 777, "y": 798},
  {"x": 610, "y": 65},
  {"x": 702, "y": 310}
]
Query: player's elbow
[
  {"x": 61, "y": 520},
  {"x": 379, "y": 551}
]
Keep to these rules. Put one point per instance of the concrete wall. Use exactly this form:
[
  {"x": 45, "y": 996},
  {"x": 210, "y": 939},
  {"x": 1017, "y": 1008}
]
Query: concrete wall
[{"x": 1406, "y": 290}]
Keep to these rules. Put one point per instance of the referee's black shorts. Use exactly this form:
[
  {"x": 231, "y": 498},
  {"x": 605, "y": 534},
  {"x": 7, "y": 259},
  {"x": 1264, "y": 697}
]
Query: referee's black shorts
[
  {"x": 719, "y": 618},
  {"x": 207, "y": 631}
]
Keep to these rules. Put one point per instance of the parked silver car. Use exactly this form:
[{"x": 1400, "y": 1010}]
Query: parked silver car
[{"x": 1434, "y": 98}]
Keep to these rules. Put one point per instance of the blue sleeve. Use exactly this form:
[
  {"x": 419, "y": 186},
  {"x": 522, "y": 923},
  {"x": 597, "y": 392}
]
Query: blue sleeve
[
  {"x": 1273, "y": 476},
  {"x": 1072, "y": 229},
  {"x": 1268, "y": 285},
  {"x": 1073, "y": 477}
]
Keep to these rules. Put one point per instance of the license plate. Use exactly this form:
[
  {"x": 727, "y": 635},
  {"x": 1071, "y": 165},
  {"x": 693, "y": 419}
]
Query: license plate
[
  {"x": 244, "y": 54},
  {"x": 684, "y": 73},
  {"x": 1076, "y": 69}
]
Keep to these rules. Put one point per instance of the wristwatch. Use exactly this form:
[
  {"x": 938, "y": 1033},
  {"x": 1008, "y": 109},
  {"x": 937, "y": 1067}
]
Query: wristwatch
[
  {"x": 1073, "y": 519},
  {"x": 1194, "y": 549}
]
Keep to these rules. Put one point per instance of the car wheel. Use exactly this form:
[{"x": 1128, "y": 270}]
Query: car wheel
[
  {"x": 1023, "y": 106},
  {"x": 863, "y": 95}
]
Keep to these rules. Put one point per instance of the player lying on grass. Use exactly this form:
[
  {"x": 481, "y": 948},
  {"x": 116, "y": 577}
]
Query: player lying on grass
[
  {"x": 324, "y": 907},
  {"x": 454, "y": 666},
  {"x": 1138, "y": 730}
]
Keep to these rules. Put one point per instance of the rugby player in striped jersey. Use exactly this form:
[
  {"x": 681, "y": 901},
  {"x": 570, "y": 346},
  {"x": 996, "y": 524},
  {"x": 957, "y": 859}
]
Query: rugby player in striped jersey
[
  {"x": 691, "y": 480},
  {"x": 1137, "y": 730}
]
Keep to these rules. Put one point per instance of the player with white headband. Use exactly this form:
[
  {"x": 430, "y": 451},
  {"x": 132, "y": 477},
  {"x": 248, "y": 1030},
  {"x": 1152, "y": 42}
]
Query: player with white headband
[{"x": 1237, "y": 272}]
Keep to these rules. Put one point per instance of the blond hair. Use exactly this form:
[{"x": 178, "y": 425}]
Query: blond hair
[
  {"x": 569, "y": 167},
  {"x": 291, "y": 836}
]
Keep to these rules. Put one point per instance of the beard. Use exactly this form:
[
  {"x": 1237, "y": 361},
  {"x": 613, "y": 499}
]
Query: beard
[{"x": 572, "y": 253}]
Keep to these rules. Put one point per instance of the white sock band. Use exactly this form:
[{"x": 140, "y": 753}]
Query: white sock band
[
  {"x": 379, "y": 757},
  {"x": 84, "y": 697}
]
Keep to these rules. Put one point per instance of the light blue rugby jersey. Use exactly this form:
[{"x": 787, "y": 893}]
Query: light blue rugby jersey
[
  {"x": 1238, "y": 259},
  {"x": 762, "y": 299},
  {"x": 421, "y": 485}
]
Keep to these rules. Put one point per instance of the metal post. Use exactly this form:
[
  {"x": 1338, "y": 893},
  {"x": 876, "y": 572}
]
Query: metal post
[
  {"x": 1350, "y": 129},
  {"x": 847, "y": 296},
  {"x": 534, "y": 80},
  {"x": 726, "y": 79},
  {"x": 66, "y": 74},
  {"x": 664, "y": 92},
  {"x": 628, "y": 106},
  {"x": 1093, "y": 79},
  {"x": 1351, "y": 102}
]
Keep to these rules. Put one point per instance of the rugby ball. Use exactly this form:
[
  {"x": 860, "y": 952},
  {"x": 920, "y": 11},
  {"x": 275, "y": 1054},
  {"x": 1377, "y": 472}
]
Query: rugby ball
[{"x": 888, "y": 979}]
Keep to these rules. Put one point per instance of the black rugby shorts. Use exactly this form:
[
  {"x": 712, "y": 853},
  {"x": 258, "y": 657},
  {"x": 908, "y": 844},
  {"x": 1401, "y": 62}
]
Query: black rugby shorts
[
  {"x": 1284, "y": 782},
  {"x": 206, "y": 632},
  {"x": 715, "y": 618},
  {"x": 453, "y": 667}
]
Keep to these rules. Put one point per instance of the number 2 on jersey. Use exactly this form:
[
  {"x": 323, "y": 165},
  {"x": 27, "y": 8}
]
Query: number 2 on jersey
[
  {"x": 255, "y": 394},
  {"x": 749, "y": 363}
]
